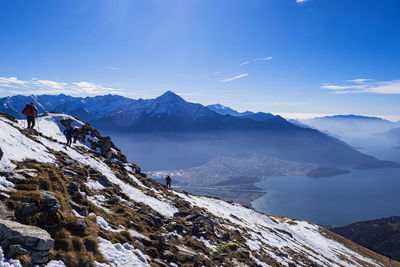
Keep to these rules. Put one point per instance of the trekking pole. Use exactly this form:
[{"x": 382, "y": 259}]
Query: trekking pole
[{"x": 37, "y": 120}]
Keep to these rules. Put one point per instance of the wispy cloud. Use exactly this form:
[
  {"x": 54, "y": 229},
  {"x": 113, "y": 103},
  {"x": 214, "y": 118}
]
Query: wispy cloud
[
  {"x": 359, "y": 80},
  {"x": 370, "y": 86},
  {"x": 113, "y": 68},
  {"x": 263, "y": 59},
  {"x": 235, "y": 77},
  {"x": 256, "y": 59},
  {"x": 11, "y": 82},
  {"x": 301, "y": 1},
  {"x": 13, "y": 85}
]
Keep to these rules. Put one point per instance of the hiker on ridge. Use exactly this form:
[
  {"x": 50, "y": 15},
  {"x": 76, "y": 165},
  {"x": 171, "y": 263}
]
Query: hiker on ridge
[
  {"x": 168, "y": 181},
  {"x": 76, "y": 133},
  {"x": 69, "y": 132},
  {"x": 31, "y": 112}
]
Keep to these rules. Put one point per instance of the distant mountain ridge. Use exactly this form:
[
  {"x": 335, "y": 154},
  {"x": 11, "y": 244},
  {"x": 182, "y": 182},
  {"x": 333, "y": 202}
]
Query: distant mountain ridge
[
  {"x": 345, "y": 125},
  {"x": 166, "y": 112},
  {"x": 223, "y": 110},
  {"x": 270, "y": 135},
  {"x": 352, "y": 117}
]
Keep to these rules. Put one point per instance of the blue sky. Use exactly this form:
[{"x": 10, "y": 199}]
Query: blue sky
[{"x": 283, "y": 56}]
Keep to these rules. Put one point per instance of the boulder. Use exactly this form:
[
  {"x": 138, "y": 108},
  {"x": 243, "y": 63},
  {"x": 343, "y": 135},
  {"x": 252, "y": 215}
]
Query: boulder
[
  {"x": 15, "y": 250},
  {"x": 5, "y": 172},
  {"x": 8, "y": 116},
  {"x": 103, "y": 180},
  {"x": 5, "y": 212},
  {"x": 81, "y": 224},
  {"x": 69, "y": 173},
  {"x": 4, "y": 196},
  {"x": 159, "y": 238},
  {"x": 203, "y": 223},
  {"x": 16, "y": 178},
  {"x": 83, "y": 211},
  {"x": 51, "y": 201},
  {"x": 28, "y": 173},
  {"x": 72, "y": 187},
  {"x": 105, "y": 147},
  {"x": 17, "y": 238},
  {"x": 226, "y": 237},
  {"x": 28, "y": 209}
]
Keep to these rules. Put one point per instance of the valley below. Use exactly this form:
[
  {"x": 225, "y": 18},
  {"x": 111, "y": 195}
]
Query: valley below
[{"x": 223, "y": 168}]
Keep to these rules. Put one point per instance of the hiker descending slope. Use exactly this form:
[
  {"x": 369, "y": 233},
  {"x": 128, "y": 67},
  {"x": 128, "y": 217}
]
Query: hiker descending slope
[
  {"x": 168, "y": 181},
  {"x": 31, "y": 112},
  {"x": 69, "y": 133}
]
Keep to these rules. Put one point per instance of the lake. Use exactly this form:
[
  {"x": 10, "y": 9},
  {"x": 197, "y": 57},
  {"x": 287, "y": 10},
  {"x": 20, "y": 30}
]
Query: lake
[{"x": 339, "y": 200}]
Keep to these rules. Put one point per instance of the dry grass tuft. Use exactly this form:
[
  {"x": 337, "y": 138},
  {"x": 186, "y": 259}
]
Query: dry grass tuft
[{"x": 25, "y": 260}]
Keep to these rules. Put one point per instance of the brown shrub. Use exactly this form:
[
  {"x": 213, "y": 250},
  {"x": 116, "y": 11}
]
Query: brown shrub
[
  {"x": 91, "y": 244},
  {"x": 27, "y": 187},
  {"x": 62, "y": 240},
  {"x": 120, "y": 237},
  {"x": 77, "y": 243},
  {"x": 25, "y": 260},
  {"x": 63, "y": 244},
  {"x": 76, "y": 258},
  {"x": 195, "y": 244}
]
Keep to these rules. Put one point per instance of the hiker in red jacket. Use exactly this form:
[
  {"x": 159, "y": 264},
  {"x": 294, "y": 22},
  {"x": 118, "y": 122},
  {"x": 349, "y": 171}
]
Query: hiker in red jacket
[{"x": 31, "y": 112}]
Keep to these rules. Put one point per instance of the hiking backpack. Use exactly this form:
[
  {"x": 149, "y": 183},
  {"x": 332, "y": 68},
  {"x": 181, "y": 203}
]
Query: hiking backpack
[{"x": 29, "y": 110}]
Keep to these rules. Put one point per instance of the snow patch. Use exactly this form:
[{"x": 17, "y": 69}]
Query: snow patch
[
  {"x": 104, "y": 224},
  {"x": 122, "y": 255},
  {"x": 16, "y": 146},
  {"x": 55, "y": 263},
  {"x": 4, "y": 183},
  {"x": 6, "y": 262}
]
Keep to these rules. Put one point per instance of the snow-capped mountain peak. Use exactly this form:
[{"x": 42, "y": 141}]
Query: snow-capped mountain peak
[{"x": 170, "y": 96}]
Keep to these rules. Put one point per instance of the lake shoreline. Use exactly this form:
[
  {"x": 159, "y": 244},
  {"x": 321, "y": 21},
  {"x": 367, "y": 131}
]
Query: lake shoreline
[{"x": 244, "y": 195}]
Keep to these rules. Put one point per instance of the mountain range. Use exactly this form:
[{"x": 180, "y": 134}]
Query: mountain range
[{"x": 261, "y": 133}]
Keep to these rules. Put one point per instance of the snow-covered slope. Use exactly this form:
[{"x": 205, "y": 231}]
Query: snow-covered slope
[{"x": 110, "y": 214}]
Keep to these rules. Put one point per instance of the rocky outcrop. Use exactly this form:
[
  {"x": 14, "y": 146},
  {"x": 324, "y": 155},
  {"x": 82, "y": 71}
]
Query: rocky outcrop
[
  {"x": 5, "y": 212},
  {"x": 107, "y": 148},
  {"x": 1, "y": 153},
  {"x": 8, "y": 116},
  {"x": 51, "y": 201},
  {"x": 18, "y": 239},
  {"x": 18, "y": 176}
]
